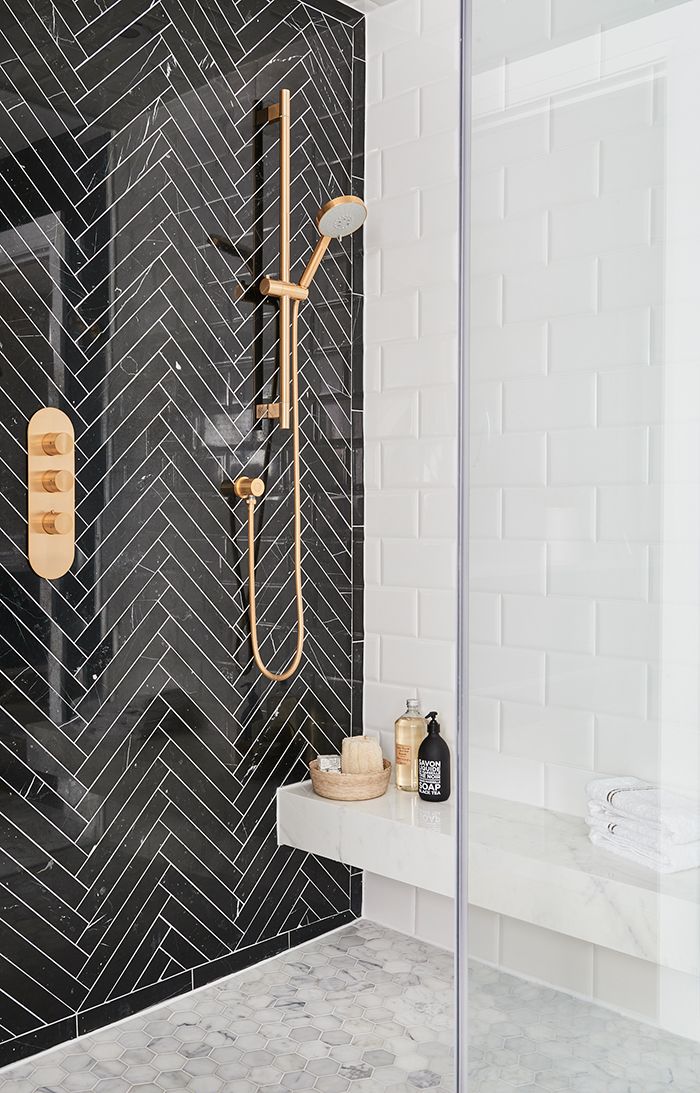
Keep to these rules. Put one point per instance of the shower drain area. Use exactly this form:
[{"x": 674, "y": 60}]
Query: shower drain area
[{"x": 366, "y": 1010}]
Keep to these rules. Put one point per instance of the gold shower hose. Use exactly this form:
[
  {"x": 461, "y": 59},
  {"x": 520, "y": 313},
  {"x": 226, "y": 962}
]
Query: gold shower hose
[{"x": 294, "y": 664}]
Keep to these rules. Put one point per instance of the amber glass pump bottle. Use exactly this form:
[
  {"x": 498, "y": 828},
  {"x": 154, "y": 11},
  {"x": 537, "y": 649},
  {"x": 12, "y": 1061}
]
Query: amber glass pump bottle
[{"x": 409, "y": 730}]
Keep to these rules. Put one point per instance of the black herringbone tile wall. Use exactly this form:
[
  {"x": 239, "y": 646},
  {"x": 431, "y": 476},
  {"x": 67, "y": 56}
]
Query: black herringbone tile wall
[{"x": 140, "y": 749}]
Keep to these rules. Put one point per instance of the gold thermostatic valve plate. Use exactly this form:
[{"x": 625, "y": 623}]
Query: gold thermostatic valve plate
[{"x": 51, "y": 493}]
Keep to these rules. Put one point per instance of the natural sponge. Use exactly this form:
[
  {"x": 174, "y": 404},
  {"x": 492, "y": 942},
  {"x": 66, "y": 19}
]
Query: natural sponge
[{"x": 361, "y": 755}]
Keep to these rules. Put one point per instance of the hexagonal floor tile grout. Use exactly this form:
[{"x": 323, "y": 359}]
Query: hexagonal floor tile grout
[{"x": 365, "y": 1010}]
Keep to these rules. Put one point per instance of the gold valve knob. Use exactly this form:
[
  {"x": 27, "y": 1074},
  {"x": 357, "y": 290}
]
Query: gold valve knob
[
  {"x": 56, "y": 481},
  {"x": 248, "y": 487},
  {"x": 56, "y": 443},
  {"x": 56, "y": 523}
]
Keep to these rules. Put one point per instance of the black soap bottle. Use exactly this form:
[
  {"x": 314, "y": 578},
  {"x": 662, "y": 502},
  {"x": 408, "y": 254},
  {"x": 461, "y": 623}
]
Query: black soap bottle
[{"x": 433, "y": 764}]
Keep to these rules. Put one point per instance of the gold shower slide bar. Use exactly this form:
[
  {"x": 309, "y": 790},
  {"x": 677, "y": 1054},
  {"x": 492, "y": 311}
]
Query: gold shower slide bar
[
  {"x": 337, "y": 218},
  {"x": 281, "y": 112}
]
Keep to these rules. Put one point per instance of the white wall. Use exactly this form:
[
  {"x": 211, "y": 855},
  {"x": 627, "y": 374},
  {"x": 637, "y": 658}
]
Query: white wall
[
  {"x": 566, "y": 274},
  {"x": 411, "y": 361},
  {"x": 584, "y": 462},
  {"x": 567, "y": 264},
  {"x": 573, "y": 484},
  {"x": 413, "y": 911},
  {"x": 411, "y": 392},
  {"x": 568, "y": 261},
  {"x": 645, "y": 990}
]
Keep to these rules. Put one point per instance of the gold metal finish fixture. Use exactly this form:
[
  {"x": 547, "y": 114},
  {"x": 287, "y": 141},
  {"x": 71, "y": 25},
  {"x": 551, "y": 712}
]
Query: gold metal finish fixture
[
  {"x": 57, "y": 443},
  {"x": 281, "y": 112},
  {"x": 314, "y": 261},
  {"x": 56, "y": 481},
  {"x": 337, "y": 218},
  {"x": 270, "y": 287},
  {"x": 51, "y": 474},
  {"x": 268, "y": 113},
  {"x": 341, "y": 216},
  {"x": 296, "y": 659},
  {"x": 249, "y": 487},
  {"x": 56, "y": 523}
]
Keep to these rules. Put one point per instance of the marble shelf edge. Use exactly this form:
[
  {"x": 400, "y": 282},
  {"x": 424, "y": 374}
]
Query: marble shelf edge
[
  {"x": 525, "y": 862},
  {"x": 395, "y": 836},
  {"x": 539, "y": 866},
  {"x": 613, "y": 915}
]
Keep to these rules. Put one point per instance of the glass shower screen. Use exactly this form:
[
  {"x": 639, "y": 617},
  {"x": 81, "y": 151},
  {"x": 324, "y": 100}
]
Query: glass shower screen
[{"x": 581, "y": 477}]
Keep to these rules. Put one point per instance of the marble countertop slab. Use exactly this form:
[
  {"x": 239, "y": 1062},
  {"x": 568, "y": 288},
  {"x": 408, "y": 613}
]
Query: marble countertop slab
[
  {"x": 526, "y": 862},
  {"x": 539, "y": 866},
  {"x": 397, "y": 835},
  {"x": 560, "y": 839}
]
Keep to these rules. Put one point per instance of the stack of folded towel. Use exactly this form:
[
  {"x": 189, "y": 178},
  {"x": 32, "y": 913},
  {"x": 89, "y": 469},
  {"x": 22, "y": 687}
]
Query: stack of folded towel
[{"x": 645, "y": 824}]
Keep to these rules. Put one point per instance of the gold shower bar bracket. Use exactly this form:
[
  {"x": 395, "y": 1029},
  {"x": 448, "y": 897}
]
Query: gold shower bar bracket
[
  {"x": 267, "y": 114},
  {"x": 50, "y": 493}
]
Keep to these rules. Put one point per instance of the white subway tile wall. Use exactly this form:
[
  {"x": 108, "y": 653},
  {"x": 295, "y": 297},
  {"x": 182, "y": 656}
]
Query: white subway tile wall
[
  {"x": 641, "y": 988},
  {"x": 574, "y": 481},
  {"x": 580, "y": 388},
  {"x": 411, "y": 408},
  {"x": 411, "y": 381},
  {"x": 583, "y": 503},
  {"x": 414, "y": 911}
]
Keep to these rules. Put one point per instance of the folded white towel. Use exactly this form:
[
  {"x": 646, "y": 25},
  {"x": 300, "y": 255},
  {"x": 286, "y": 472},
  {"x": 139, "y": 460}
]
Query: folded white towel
[
  {"x": 643, "y": 830},
  {"x": 675, "y": 860},
  {"x": 677, "y": 818},
  {"x": 644, "y": 836}
]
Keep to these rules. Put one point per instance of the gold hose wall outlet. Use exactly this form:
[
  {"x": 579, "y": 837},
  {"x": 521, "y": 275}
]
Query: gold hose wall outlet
[
  {"x": 50, "y": 493},
  {"x": 249, "y": 487}
]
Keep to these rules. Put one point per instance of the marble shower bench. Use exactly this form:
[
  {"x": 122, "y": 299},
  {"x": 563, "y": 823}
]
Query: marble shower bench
[
  {"x": 396, "y": 836},
  {"x": 525, "y": 862}
]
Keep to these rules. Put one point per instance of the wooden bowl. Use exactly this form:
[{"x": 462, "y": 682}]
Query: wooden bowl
[{"x": 349, "y": 787}]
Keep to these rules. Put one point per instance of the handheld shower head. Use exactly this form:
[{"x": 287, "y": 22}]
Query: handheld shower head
[{"x": 339, "y": 217}]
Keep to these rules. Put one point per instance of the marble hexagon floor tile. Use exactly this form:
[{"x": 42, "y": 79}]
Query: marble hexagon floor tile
[
  {"x": 365, "y": 1010},
  {"x": 528, "y": 1037}
]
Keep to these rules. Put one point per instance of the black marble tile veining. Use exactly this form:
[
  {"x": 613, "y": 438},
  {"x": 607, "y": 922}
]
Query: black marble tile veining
[{"x": 140, "y": 749}]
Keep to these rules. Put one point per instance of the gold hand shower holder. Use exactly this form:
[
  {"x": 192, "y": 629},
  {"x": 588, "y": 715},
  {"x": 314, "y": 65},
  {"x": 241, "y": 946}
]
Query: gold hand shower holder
[{"x": 344, "y": 214}]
